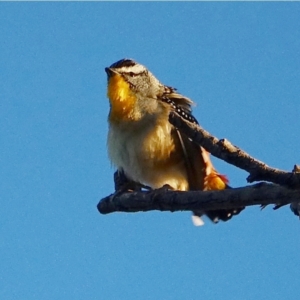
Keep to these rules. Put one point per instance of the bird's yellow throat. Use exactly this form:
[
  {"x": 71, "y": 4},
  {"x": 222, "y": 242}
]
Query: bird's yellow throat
[{"x": 121, "y": 98}]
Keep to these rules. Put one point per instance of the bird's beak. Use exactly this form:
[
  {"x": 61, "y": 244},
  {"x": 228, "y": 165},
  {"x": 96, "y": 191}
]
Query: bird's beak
[{"x": 110, "y": 72}]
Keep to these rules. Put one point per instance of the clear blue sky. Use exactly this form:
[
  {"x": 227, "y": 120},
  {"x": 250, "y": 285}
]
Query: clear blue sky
[{"x": 239, "y": 61}]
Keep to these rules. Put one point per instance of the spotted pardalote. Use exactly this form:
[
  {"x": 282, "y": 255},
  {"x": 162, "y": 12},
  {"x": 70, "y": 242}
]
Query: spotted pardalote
[{"x": 145, "y": 146}]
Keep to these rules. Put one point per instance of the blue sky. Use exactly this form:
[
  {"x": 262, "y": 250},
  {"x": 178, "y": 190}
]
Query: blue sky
[{"x": 239, "y": 61}]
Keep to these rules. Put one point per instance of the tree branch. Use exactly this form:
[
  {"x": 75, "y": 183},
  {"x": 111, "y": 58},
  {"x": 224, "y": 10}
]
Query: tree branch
[
  {"x": 224, "y": 150},
  {"x": 160, "y": 199},
  {"x": 285, "y": 190}
]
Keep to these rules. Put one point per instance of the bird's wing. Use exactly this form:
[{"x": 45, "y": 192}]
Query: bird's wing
[{"x": 200, "y": 171}]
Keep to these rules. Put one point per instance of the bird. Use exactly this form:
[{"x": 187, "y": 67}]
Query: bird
[{"x": 145, "y": 147}]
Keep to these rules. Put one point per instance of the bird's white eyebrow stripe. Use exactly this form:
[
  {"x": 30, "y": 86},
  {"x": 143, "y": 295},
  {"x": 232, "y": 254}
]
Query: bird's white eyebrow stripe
[{"x": 135, "y": 69}]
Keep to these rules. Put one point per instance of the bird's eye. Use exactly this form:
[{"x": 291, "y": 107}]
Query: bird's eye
[{"x": 132, "y": 74}]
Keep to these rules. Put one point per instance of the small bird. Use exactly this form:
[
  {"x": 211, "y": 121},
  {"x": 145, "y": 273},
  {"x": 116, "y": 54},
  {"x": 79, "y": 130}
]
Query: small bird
[{"x": 145, "y": 147}]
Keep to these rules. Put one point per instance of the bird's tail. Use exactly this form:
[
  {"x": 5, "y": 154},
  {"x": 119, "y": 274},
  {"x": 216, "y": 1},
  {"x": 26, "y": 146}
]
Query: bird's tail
[{"x": 214, "y": 182}]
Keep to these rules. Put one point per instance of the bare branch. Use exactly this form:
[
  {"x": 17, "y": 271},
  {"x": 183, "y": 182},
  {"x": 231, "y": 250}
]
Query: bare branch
[
  {"x": 224, "y": 150},
  {"x": 288, "y": 190},
  {"x": 160, "y": 199}
]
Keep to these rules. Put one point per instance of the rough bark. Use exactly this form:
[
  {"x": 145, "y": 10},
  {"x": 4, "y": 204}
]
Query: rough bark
[{"x": 160, "y": 199}]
